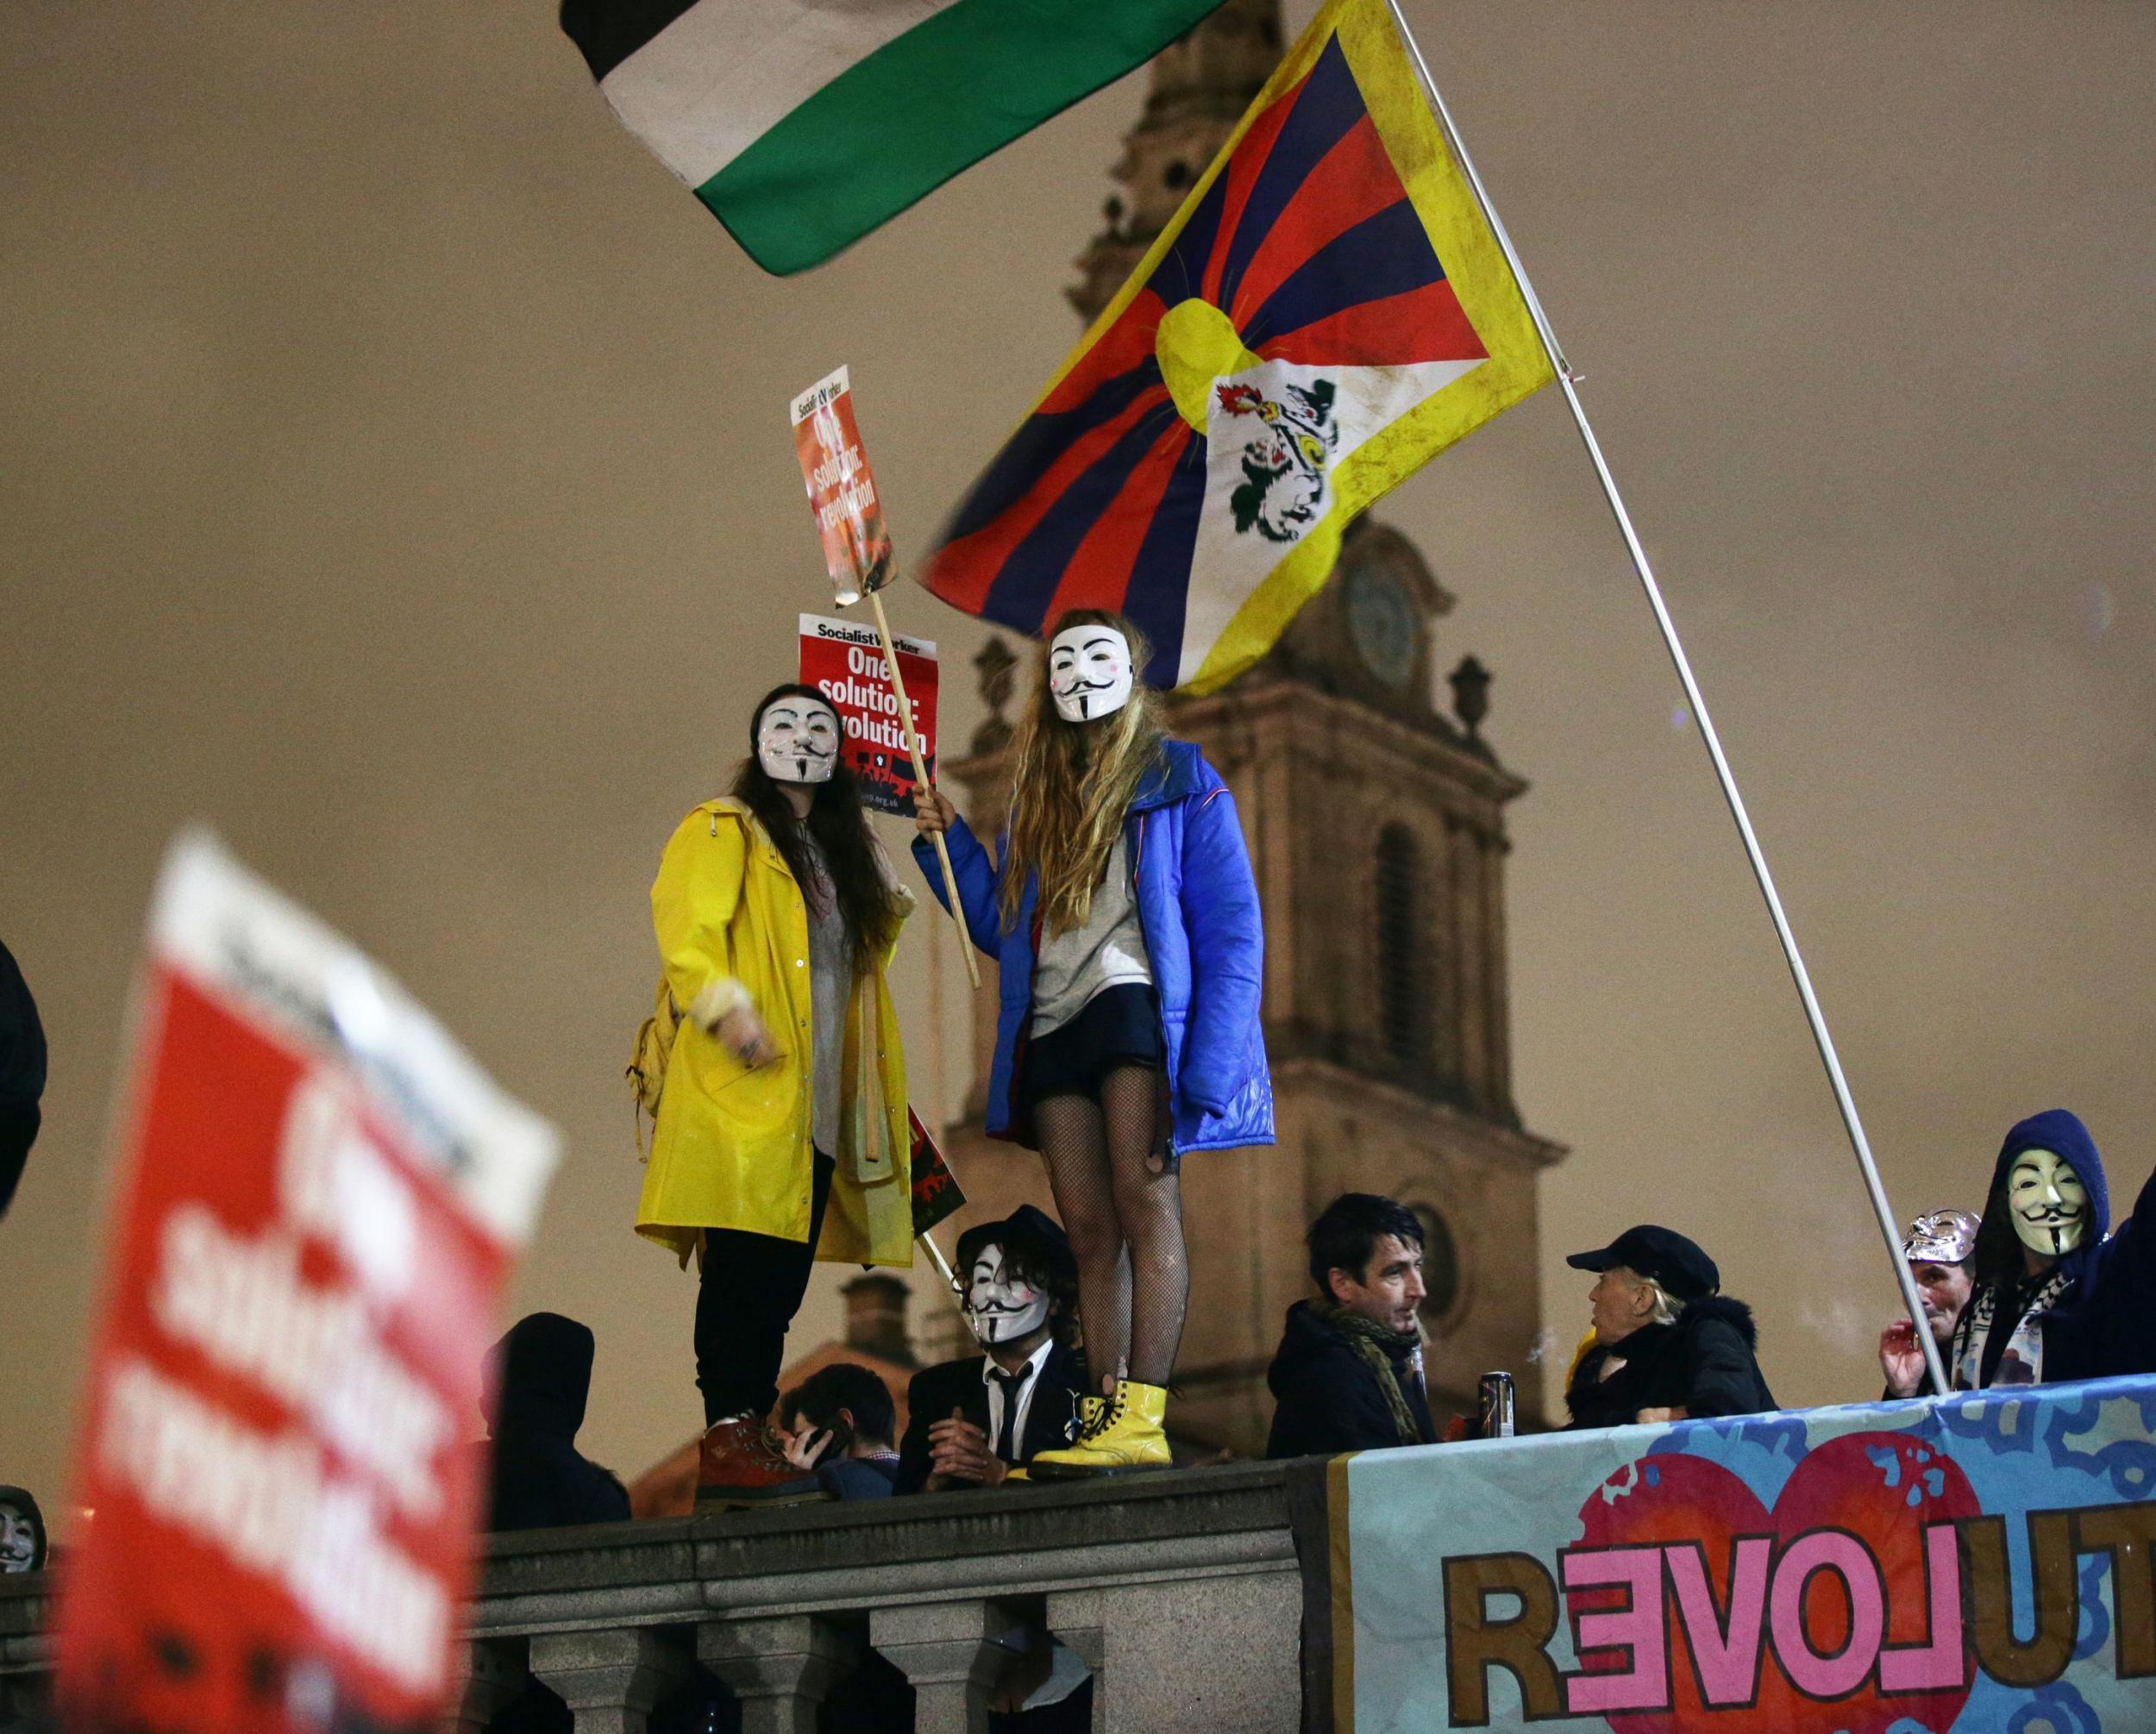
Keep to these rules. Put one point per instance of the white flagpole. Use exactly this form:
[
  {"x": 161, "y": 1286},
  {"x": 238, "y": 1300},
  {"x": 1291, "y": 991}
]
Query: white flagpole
[{"x": 1843, "y": 1100}]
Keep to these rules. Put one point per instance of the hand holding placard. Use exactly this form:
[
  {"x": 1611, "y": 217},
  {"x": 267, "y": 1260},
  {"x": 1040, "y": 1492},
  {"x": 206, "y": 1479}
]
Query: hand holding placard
[{"x": 857, "y": 551}]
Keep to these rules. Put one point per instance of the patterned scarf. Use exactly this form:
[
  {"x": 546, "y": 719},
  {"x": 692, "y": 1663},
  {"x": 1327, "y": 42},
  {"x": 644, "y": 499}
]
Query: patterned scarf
[
  {"x": 2024, "y": 1361},
  {"x": 1370, "y": 1340}
]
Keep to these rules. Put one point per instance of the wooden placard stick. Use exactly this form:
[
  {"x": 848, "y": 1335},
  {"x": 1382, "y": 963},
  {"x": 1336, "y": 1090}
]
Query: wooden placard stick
[{"x": 920, "y": 780}]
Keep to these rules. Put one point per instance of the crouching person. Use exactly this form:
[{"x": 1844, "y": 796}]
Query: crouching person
[
  {"x": 1348, "y": 1376},
  {"x": 836, "y": 1425},
  {"x": 540, "y": 1378},
  {"x": 973, "y": 1421},
  {"x": 1666, "y": 1343}
]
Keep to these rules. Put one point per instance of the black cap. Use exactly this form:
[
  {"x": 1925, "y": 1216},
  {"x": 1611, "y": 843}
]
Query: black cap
[
  {"x": 1663, "y": 1253},
  {"x": 1027, "y": 1222}
]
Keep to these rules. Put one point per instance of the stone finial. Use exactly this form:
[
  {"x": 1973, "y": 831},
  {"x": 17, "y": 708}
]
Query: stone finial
[
  {"x": 998, "y": 670},
  {"x": 1471, "y": 695},
  {"x": 876, "y": 1317}
]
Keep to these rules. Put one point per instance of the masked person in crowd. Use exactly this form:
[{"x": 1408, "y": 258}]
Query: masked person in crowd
[
  {"x": 541, "y": 1380},
  {"x": 837, "y": 1424},
  {"x": 1666, "y": 1344},
  {"x": 21, "y": 1075},
  {"x": 1348, "y": 1376},
  {"x": 1941, "y": 1251},
  {"x": 781, "y": 1135},
  {"x": 22, "y": 1532},
  {"x": 971, "y": 1422},
  {"x": 2054, "y": 1298},
  {"x": 1123, "y": 919}
]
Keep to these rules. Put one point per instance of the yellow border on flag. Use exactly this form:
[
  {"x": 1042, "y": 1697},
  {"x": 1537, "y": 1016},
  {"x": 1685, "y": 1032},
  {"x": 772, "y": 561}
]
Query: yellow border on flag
[
  {"x": 1341, "y": 1570},
  {"x": 1474, "y": 265}
]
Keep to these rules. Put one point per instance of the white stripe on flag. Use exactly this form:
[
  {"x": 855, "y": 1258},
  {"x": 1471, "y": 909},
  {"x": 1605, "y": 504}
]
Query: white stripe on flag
[{"x": 725, "y": 72}]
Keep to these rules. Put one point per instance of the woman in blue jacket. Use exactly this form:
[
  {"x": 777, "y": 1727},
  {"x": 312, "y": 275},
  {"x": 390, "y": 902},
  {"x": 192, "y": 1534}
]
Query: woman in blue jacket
[{"x": 1123, "y": 921}]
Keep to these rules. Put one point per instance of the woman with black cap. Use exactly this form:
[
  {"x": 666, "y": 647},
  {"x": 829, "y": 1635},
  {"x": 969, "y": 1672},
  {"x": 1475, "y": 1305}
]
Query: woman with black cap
[{"x": 1666, "y": 1343}]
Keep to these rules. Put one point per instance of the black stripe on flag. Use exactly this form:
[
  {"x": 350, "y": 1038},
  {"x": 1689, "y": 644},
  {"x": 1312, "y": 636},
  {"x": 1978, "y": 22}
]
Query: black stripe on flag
[{"x": 609, "y": 31}]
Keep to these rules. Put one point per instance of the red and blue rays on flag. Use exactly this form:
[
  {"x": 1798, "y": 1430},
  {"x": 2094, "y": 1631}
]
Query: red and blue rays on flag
[{"x": 1292, "y": 346}]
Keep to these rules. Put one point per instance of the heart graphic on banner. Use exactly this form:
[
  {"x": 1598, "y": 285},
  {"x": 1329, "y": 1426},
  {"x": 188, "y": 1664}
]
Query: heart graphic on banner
[{"x": 1736, "y": 1638}]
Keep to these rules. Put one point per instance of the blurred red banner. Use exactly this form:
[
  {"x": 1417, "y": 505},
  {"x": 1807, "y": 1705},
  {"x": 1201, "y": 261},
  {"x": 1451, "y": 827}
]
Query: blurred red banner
[{"x": 316, "y": 1204}]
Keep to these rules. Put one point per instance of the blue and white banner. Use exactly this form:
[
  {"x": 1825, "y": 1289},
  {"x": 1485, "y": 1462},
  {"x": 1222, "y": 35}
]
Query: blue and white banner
[{"x": 1983, "y": 1563}]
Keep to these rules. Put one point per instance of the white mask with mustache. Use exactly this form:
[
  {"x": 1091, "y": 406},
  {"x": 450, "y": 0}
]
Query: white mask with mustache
[
  {"x": 2049, "y": 1205},
  {"x": 1089, "y": 672},
  {"x": 797, "y": 740},
  {"x": 1001, "y": 1307}
]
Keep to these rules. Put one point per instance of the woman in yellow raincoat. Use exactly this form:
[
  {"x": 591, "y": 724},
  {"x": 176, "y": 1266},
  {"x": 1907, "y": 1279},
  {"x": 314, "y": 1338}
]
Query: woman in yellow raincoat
[{"x": 781, "y": 1130}]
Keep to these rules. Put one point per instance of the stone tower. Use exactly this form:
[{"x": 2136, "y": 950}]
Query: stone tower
[{"x": 1376, "y": 829}]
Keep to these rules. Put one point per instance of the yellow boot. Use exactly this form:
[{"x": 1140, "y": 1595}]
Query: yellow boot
[{"x": 1123, "y": 1434}]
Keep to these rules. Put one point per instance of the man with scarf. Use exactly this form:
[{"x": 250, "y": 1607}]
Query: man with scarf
[
  {"x": 2055, "y": 1299},
  {"x": 1348, "y": 1376}
]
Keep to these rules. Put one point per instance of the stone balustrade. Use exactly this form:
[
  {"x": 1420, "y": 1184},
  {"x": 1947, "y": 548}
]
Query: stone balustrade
[{"x": 1180, "y": 1590}]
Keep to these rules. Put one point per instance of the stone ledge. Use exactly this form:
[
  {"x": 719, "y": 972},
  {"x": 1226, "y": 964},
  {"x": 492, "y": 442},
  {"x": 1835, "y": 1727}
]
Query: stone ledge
[{"x": 1231, "y": 1515}]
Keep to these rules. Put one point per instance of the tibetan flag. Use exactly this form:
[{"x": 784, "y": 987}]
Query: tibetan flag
[
  {"x": 802, "y": 124},
  {"x": 1326, "y": 312}
]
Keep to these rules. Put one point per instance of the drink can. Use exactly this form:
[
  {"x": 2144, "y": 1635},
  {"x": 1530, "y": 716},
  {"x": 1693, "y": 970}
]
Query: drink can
[{"x": 1497, "y": 1407}]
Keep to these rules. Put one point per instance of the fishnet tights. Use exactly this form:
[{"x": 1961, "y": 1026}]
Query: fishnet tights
[{"x": 1123, "y": 1209}]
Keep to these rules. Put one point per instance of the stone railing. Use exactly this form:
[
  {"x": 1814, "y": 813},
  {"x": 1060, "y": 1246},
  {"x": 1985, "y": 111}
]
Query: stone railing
[{"x": 1180, "y": 1592}]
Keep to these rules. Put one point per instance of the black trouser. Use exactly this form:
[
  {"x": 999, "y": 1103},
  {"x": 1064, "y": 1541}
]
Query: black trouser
[{"x": 753, "y": 1285}]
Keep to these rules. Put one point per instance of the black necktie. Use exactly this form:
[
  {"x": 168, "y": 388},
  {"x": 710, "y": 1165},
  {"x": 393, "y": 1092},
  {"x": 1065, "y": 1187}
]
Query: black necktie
[{"x": 1007, "y": 1435}]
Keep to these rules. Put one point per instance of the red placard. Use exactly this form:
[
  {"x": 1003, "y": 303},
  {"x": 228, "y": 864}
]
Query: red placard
[
  {"x": 843, "y": 661},
  {"x": 936, "y": 1193},
  {"x": 317, "y": 1201},
  {"x": 840, "y": 490}
]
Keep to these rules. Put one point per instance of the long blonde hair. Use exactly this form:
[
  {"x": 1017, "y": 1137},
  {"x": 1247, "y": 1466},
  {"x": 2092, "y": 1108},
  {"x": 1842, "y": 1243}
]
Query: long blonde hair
[{"x": 1072, "y": 783}]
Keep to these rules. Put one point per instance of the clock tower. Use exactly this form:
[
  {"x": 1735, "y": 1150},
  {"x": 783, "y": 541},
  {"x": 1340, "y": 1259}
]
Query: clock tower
[{"x": 1376, "y": 823}]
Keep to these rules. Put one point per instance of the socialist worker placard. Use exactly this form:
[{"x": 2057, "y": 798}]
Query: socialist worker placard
[
  {"x": 842, "y": 491},
  {"x": 843, "y": 661},
  {"x": 317, "y": 1202}
]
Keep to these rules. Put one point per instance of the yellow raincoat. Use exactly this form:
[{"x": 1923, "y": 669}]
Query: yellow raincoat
[{"x": 732, "y": 1148}]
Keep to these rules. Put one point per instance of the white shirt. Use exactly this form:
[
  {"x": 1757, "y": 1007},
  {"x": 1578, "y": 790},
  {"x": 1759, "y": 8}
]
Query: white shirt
[
  {"x": 1032, "y": 1370},
  {"x": 1107, "y": 950}
]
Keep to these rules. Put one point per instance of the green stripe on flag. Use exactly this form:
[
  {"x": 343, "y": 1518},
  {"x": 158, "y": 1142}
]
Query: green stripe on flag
[{"x": 895, "y": 126}]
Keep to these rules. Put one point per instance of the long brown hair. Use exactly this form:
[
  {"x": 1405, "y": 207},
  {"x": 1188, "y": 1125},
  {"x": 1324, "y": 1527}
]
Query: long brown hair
[
  {"x": 1072, "y": 783},
  {"x": 840, "y": 825}
]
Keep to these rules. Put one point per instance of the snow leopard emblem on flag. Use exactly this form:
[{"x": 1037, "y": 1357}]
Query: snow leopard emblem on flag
[
  {"x": 1327, "y": 311},
  {"x": 1284, "y": 461}
]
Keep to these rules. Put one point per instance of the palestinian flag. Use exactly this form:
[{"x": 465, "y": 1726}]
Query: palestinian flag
[
  {"x": 1327, "y": 313},
  {"x": 804, "y": 124}
]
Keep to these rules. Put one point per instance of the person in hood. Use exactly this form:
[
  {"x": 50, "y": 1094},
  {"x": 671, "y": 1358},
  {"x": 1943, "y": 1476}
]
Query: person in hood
[
  {"x": 2055, "y": 1299},
  {"x": 1124, "y": 919},
  {"x": 1348, "y": 1375},
  {"x": 1667, "y": 1344},
  {"x": 541, "y": 1379},
  {"x": 21, "y": 1075}
]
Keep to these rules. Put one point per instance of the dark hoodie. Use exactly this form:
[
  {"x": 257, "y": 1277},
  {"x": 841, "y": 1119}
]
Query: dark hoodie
[
  {"x": 1705, "y": 1364},
  {"x": 1328, "y": 1398},
  {"x": 543, "y": 1376},
  {"x": 21, "y": 1075},
  {"x": 2105, "y": 1324}
]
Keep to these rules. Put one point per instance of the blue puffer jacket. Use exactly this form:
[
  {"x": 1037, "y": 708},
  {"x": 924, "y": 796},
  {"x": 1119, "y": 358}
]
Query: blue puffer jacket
[{"x": 1198, "y": 905}]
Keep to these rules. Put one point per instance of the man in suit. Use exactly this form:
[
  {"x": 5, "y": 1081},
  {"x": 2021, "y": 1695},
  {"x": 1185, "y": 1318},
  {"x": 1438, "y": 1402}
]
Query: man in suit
[{"x": 971, "y": 1422}]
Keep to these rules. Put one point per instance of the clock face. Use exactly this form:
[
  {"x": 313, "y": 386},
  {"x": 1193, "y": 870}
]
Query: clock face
[{"x": 1381, "y": 620}]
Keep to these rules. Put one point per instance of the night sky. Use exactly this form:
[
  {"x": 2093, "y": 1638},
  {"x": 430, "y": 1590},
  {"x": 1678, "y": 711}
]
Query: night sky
[{"x": 394, "y": 475}]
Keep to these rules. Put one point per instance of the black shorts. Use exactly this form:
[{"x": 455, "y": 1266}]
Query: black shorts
[{"x": 1118, "y": 1026}]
